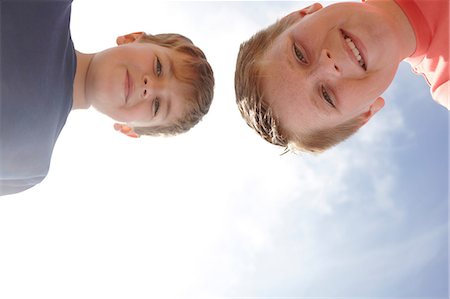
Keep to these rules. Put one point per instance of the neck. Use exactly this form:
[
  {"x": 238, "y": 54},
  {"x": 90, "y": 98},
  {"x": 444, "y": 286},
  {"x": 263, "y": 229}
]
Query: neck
[
  {"x": 79, "y": 86},
  {"x": 403, "y": 29}
]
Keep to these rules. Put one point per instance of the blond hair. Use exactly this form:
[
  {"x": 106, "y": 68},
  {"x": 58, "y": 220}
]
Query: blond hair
[
  {"x": 258, "y": 114},
  {"x": 195, "y": 71}
]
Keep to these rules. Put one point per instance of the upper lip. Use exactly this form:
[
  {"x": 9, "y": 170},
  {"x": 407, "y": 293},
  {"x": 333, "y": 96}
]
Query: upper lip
[{"x": 359, "y": 45}]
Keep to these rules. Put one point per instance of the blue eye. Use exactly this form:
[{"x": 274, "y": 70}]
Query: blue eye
[
  {"x": 299, "y": 54},
  {"x": 158, "y": 67},
  {"x": 326, "y": 96},
  {"x": 155, "y": 106}
]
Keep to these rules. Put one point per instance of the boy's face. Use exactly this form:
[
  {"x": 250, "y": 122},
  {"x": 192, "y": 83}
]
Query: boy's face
[
  {"x": 312, "y": 79},
  {"x": 135, "y": 83}
]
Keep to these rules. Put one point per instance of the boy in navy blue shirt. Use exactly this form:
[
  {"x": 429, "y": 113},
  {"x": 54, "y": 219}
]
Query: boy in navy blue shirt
[{"x": 151, "y": 84}]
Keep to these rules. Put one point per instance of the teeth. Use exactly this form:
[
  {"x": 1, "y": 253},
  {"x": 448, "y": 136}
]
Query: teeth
[
  {"x": 355, "y": 51},
  {"x": 353, "y": 47},
  {"x": 350, "y": 43}
]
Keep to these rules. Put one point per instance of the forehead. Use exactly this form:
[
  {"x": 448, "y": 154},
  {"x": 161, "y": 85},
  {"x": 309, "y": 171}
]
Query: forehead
[
  {"x": 174, "y": 55},
  {"x": 180, "y": 105},
  {"x": 178, "y": 97}
]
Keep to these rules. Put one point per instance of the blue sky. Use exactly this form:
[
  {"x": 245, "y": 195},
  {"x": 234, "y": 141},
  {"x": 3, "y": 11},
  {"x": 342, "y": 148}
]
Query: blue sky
[{"x": 217, "y": 212}]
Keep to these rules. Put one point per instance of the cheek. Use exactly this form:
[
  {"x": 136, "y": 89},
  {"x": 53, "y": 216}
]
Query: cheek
[
  {"x": 369, "y": 87},
  {"x": 141, "y": 112},
  {"x": 382, "y": 81}
]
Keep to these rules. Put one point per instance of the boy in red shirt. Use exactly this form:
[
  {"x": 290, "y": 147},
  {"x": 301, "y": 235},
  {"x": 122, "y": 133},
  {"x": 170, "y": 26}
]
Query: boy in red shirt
[{"x": 315, "y": 77}]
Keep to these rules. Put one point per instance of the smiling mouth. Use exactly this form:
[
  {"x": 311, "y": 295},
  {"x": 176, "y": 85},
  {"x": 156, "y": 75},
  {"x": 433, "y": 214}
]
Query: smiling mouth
[
  {"x": 127, "y": 86},
  {"x": 357, "y": 53}
]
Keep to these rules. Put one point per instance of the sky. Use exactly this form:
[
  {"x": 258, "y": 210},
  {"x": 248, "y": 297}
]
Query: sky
[{"x": 218, "y": 212}]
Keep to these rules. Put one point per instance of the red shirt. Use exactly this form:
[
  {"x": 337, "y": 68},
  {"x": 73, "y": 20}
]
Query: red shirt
[{"x": 429, "y": 19}]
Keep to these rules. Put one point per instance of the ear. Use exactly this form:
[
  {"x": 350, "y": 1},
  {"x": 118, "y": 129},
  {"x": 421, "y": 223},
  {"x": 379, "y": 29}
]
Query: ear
[
  {"x": 129, "y": 38},
  {"x": 310, "y": 9},
  {"x": 124, "y": 129},
  {"x": 373, "y": 109},
  {"x": 306, "y": 11}
]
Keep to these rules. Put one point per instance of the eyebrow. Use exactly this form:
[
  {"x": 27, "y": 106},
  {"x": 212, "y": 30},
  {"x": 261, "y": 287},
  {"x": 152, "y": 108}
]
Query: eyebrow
[
  {"x": 169, "y": 102},
  {"x": 170, "y": 73},
  {"x": 290, "y": 57},
  {"x": 171, "y": 65}
]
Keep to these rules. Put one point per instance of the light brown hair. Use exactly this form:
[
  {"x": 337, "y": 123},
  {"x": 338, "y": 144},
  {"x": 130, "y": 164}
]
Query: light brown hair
[
  {"x": 196, "y": 72},
  {"x": 257, "y": 113}
]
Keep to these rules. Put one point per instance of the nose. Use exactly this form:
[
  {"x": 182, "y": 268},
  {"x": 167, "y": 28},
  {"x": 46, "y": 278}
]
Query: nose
[
  {"x": 145, "y": 92},
  {"x": 328, "y": 62}
]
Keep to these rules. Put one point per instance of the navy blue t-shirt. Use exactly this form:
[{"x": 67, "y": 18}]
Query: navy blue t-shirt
[{"x": 37, "y": 69}]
